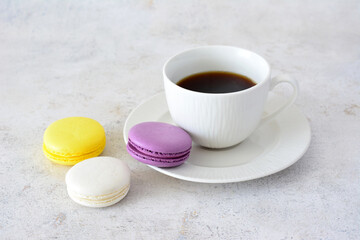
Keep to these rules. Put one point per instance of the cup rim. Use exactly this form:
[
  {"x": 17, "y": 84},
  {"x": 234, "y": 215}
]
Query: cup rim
[{"x": 257, "y": 85}]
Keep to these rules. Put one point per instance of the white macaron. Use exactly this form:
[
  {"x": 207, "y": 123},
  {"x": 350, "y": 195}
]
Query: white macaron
[{"x": 98, "y": 181}]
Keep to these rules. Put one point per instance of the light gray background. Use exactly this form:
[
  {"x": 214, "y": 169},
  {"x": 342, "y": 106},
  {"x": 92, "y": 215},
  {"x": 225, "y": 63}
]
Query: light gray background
[{"x": 100, "y": 59}]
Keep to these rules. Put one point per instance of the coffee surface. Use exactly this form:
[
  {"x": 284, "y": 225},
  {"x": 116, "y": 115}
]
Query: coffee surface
[{"x": 216, "y": 82}]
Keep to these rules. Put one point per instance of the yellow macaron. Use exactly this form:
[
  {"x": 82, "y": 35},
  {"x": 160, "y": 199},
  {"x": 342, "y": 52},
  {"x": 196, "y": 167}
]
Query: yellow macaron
[{"x": 71, "y": 140}]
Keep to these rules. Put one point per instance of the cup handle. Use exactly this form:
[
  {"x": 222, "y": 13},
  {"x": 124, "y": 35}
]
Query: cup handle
[{"x": 282, "y": 78}]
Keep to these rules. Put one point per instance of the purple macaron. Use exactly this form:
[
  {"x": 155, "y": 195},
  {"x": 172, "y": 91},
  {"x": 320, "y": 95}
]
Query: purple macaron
[{"x": 159, "y": 144}]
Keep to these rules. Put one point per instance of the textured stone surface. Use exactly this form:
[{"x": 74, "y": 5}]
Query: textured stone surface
[{"x": 100, "y": 59}]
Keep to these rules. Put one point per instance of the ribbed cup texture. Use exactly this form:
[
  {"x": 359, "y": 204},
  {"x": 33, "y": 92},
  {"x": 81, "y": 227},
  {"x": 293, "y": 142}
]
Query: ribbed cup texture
[{"x": 216, "y": 120}]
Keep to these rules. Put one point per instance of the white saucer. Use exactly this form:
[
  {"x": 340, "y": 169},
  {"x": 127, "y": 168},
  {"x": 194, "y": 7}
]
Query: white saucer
[{"x": 271, "y": 148}]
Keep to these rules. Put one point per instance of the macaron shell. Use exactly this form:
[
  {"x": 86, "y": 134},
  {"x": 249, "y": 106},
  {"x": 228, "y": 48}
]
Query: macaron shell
[
  {"x": 162, "y": 138},
  {"x": 98, "y": 176},
  {"x": 70, "y": 140}
]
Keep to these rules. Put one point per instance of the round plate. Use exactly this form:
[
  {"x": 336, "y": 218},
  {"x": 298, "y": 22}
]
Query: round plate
[{"x": 273, "y": 146}]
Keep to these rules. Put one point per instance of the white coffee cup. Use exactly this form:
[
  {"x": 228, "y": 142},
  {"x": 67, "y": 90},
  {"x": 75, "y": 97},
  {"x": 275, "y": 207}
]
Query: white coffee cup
[{"x": 219, "y": 120}]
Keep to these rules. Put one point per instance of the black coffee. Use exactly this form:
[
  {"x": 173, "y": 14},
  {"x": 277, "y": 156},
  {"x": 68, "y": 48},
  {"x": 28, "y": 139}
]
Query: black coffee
[{"x": 216, "y": 82}]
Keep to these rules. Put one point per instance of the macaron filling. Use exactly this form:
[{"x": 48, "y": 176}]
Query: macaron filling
[
  {"x": 143, "y": 157},
  {"x": 71, "y": 159},
  {"x": 149, "y": 152},
  {"x": 110, "y": 198}
]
